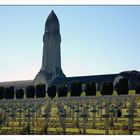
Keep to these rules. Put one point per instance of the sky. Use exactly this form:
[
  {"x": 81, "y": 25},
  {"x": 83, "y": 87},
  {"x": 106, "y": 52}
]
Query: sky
[{"x": 95, "y": 40}]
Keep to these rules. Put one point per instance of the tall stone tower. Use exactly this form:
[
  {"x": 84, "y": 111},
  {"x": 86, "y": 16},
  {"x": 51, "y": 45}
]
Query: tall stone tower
[{"x": 51, "y": 61}]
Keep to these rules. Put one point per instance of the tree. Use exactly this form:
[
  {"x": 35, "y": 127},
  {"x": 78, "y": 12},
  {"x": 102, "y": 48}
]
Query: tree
[
  {"x": 30, "y": 91},
  {"x": 106, "y": 88},
  {"x": 19, "y": 93},
  {"x": 122, "y": 86},
  {"x": 137, "y": 88},
  {"x": 1, "y": 92},
  {"x": 90, "y": 89},
  {"x": 11, "y": 90},
  {"x": 76, "y": 89},
  {"x": 62, "y": 91},
  {"x": 6, "y": 93},
  {"x": 40, "y": 90},
  {"x": 51, "y": 90}
]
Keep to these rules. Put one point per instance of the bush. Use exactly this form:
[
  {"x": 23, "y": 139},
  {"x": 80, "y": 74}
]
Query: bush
[
  {"x": 9, "y": 92},
  {"x": 137, "y": 88},
  {"x": 19, "y": 94},
  {"x": 122, "y": 86},
  {"x": 30, "y": 91},
  {"x": 90, "y": 89},
  {"x": 40, "y": 90},
  {"x": 106, "y": 88},
  {"x": 6, "y": 93},
  {"x": 51, "y": 90},
  {"x": 1, "y": 92},
  {"x": 76, "y": 89},
  {"x": 62, "y": 91}
]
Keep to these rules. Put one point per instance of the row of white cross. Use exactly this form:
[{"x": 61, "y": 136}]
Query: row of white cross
[
  {"x": 74, "y": 108},
  {"x": 82, "y": 106}
]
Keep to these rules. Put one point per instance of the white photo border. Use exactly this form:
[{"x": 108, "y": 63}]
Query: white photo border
[{"x": 69, "y": 2}]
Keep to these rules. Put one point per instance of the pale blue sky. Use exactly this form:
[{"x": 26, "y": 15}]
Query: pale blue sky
[{"x": 95, "y": 39}]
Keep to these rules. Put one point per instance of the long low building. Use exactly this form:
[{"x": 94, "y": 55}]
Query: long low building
[
  {"x": 98, "y": 79},
  {"x": 17, "y": 84},
  {"x": 132, "y": 76}
]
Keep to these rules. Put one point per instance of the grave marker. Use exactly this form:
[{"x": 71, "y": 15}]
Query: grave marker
[
  {"x": 93, "y": 110},
  {"x": 84, "y": 116}
]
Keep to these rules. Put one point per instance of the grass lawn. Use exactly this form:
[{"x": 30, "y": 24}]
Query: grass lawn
[{"x": 54, "y": 125}]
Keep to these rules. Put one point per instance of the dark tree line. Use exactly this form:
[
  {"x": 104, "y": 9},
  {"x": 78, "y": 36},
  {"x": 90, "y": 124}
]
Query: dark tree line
[
  {"x": 62, "y": 91},
  {"x": 90, "y": 89},
  {"x": 38, "y": 91},
  {"x": 32, "y": 91},
  {"x": 106, "y": 88},
  {"x": 75, "y": 89},
  {"x": 7, "y": 92},
  {"x": 51, "y": 91},
  {"x": 1, "y": 92},
  {"x": 122, "y": 86},
  {"x": 19, "y": 93},
  {"x": 137, "y": 88}
]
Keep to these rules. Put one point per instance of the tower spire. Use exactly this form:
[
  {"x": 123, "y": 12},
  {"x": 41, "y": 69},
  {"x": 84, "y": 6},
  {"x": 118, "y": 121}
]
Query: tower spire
[
  {"x": 51, "y": 22},
  {"x": 51, "y": 60}
]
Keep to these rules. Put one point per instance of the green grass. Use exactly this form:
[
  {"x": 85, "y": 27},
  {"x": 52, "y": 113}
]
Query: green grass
[{"x": 76, "y": 130}]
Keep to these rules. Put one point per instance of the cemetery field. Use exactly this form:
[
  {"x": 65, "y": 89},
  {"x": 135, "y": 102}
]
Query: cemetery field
[{"x": 91, "y": 115}]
